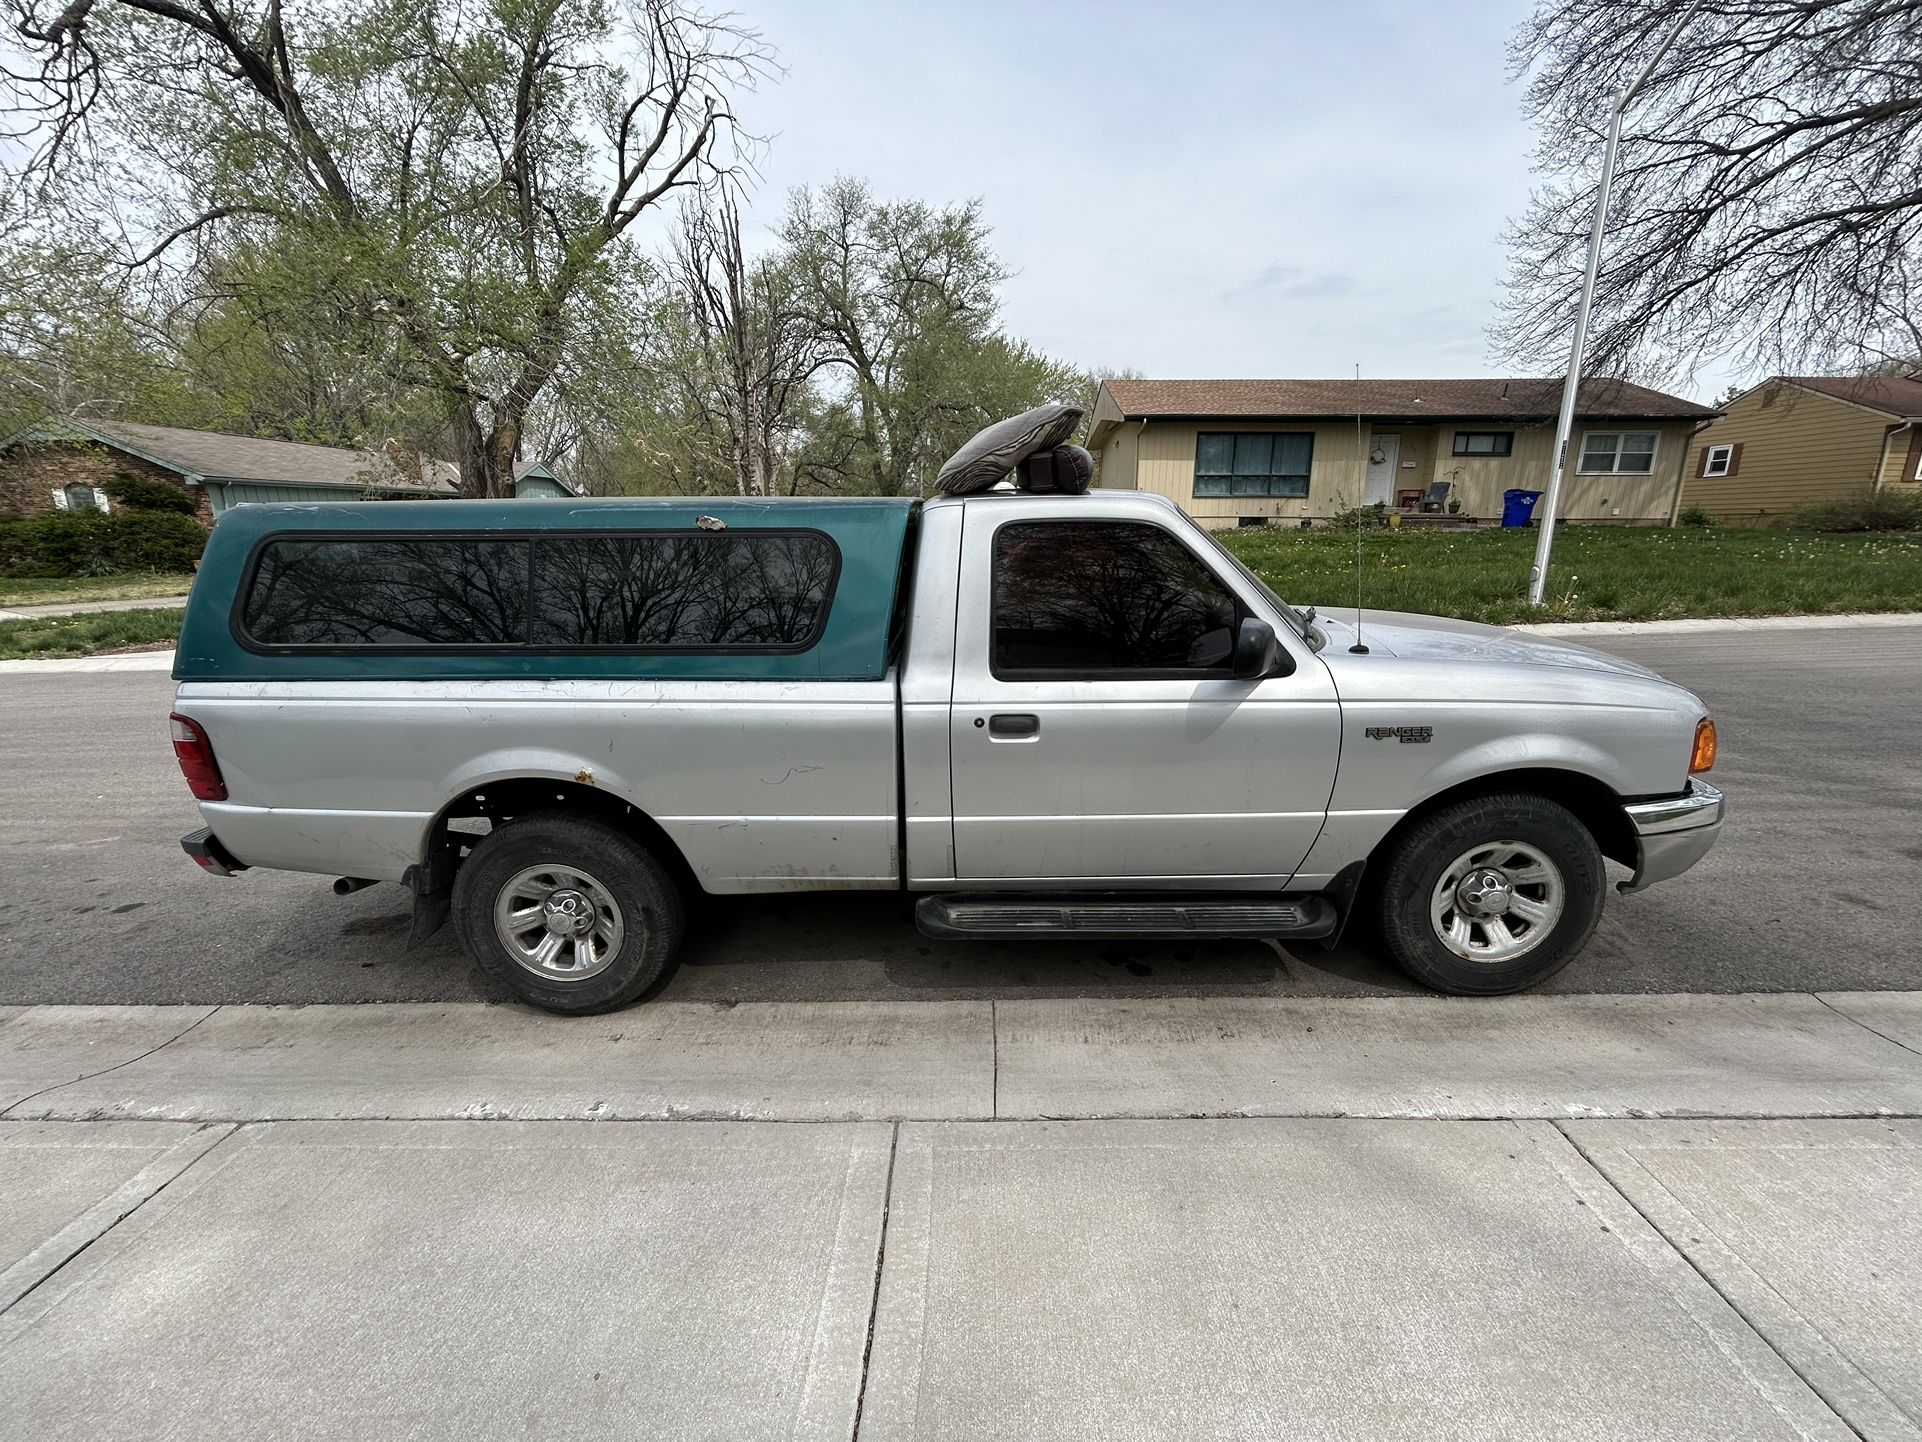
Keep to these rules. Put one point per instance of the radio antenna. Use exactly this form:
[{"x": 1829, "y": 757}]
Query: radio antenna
[{"x": 1358, "y": 649}]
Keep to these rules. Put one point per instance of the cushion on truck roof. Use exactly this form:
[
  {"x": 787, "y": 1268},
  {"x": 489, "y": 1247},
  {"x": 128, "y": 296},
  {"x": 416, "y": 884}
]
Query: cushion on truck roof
[{"x": 985, "y": 460}]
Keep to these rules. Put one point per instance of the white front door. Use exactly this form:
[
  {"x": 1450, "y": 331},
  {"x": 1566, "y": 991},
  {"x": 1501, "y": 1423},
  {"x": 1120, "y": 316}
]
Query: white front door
[{"x": 1384, "y": 460}]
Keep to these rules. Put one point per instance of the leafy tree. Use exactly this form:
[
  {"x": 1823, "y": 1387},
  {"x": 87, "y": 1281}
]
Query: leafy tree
[
  {"x": 466, "y": 178},
  {"x": 1770, "y": 192},
  {"x": 320, "y": 369},
  {"x": 851, "y": 358},
  {"x": 905, "y": 298},
  {"x": 75, "y": 340}
]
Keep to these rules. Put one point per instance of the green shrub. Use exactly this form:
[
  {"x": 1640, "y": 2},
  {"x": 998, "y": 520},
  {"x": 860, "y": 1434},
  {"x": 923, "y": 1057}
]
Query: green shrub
[
  {"x": 58, "y": 543},
  {"x": 1879, "y": 511},
  {"x": 138, "y": 493},
  {"x": 86, "y": 543},
  {"x": 1694, "y": 516},
  {"x": 1361, "y": 518},
  {"x": 157, "y": 541}
]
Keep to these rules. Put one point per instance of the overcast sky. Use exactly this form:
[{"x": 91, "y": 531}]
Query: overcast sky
[{"x": 1185, "y": 187}]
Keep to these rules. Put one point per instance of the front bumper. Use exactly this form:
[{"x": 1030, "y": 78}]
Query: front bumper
[{"x": 1673, "y": 834}]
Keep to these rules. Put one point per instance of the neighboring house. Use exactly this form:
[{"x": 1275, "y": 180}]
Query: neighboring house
[
  {"x": 1796, "y": 439},
  {"x": 1247, "y": 452},
  {"x": 65, "y": 465}
]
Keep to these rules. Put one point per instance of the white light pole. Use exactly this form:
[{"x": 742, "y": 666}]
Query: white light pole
[{"x": 1565, "y": 423}]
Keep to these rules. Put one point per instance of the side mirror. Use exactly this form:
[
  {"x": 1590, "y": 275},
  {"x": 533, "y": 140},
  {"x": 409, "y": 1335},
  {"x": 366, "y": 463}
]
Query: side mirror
[{"x": 1255, "y": 649}]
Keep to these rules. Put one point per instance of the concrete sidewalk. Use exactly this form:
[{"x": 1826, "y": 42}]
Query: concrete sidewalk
[
  {"x": 88, "y": 608},
  {"x": 1787, "y": 1054},
  {"x": 1609, "y": 1217}
]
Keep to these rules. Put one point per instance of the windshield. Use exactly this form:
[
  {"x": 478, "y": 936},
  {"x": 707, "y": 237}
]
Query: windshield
[{"x": 1295, "y": 618}]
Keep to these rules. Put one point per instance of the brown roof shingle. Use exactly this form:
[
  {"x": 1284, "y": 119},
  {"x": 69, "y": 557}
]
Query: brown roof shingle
[
  {"x": 1531, "y": 399},
  {"x": 214, "y": 455},
  {"x": 1899, "y": 396}
]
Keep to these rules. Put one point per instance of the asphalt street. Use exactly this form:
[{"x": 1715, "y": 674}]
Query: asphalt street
[{"x": 1816, "y": 884}]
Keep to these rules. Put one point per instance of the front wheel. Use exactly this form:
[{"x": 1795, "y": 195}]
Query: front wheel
[
  {"x": 568, "y": 913},
  {"x": 1491, "y": 895}
]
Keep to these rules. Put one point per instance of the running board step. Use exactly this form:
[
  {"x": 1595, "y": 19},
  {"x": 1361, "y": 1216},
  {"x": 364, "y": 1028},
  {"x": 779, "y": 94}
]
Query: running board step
[{"x": 1304, "y": 917}]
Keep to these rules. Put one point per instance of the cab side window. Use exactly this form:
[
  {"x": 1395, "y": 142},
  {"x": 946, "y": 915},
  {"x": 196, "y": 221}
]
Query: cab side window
[{"x": 1075, "y": 598}]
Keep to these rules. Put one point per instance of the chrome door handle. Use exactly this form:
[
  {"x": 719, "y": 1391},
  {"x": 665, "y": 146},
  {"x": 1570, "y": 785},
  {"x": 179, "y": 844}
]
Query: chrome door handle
[{"x": 1014, "y": 727}]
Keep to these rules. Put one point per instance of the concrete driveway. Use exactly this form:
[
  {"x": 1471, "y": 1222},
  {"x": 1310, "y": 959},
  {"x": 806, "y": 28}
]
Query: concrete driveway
[{"x": 1816, "y": 885}]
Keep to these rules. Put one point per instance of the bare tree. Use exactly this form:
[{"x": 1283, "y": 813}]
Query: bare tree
[
  {"x": 1768, "y": 209},
  {"x": 465, "y": 175},
  {"x": 749, "y": 349}
]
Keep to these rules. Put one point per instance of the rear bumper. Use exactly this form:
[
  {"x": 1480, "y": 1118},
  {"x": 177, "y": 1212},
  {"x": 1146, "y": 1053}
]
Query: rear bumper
[
  {"x": 1673, "y": 834},
  {"x": 208, "y": 854}
]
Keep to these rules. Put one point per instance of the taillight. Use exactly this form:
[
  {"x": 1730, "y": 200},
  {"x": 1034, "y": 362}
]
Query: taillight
[
  {"x": 196, "y": 756},
  {"x": 1703, "y": 756}
]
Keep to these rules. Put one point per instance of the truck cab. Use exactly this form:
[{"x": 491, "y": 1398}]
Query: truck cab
[{"x": 1080, "y": 711}]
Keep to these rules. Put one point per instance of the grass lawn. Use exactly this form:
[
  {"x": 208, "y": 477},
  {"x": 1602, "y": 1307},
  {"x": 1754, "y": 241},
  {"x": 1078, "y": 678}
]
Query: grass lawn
[
  {"x": 101, "y": 588},
  {"x": 89, "y": 635},
  {"x": 1598, "y": 573}
]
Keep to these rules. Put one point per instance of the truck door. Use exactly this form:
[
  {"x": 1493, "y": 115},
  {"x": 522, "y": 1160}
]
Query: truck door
[{"x": 1097, "y": 734}]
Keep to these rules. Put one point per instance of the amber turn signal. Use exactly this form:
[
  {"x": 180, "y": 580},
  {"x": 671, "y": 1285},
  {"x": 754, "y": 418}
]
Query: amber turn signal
[{"x": 1703, "y": 755}]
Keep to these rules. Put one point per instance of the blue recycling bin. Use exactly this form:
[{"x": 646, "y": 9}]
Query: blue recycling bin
[{"x": 1518, "y": 507}]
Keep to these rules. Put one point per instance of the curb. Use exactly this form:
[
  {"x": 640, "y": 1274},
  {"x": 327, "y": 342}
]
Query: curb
[
  {"x": 1705, "y": 625},
  {"x": 1407, "y": 1058},
  {"x": 62, "y": 610},
  {"x": 129, "y": 661}
]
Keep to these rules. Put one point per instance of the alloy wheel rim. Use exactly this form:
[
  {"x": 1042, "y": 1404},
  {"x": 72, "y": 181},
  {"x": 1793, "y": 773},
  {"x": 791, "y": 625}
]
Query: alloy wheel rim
[
  {"x": 1497, "y": 901},
  {"x": 559, "y": 923}
]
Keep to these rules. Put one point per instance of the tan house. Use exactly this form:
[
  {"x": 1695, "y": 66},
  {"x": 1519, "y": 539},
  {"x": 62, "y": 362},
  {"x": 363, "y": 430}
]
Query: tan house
[
  {"x": 1247, "y": 452},
  {"x": 1796, "y": 439}
]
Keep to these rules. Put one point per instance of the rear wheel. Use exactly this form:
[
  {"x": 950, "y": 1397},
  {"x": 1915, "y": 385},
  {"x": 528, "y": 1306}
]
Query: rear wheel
[
  {"x": 567, "y": 912},
  {"x": 1491, "y": 895}
]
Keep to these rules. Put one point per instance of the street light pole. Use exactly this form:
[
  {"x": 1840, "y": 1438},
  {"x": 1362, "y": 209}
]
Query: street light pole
[{"x": 1565, "y": 422}]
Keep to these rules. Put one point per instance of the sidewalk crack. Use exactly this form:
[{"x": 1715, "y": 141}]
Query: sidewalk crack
[
  {"x": 89, "y": 1076},
  {"x": 1742, "y": 1313},
  {"x": 1864, "y": 1025},
  {"x": 994, "y": 1033},
  {"x": 874, "y": 1302},
  {"x": 206, "y": 1137}
]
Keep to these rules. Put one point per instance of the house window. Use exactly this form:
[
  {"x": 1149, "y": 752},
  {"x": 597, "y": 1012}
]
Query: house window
[
  {"x": 80, "y": 497},
  {"x": 1248, "y": 463},
  {"x": 1484, "y": 443},
  {"x": 1716, "y": 462},
  {"x": 1617, "y": 453}
]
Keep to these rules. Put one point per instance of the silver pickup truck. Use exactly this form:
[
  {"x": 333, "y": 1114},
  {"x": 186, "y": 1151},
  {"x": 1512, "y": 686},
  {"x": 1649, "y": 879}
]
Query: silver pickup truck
[{"x": 1050, "y": 713}]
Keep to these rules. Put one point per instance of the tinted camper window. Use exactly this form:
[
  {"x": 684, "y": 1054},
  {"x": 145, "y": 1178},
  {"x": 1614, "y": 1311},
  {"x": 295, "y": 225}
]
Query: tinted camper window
[
  {"x": 658, "y": 591},
  {"x": 701, "y": 590},
  {"x": 436, "y": 591}
]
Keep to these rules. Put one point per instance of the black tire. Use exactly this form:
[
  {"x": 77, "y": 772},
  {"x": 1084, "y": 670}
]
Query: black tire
[
  {"x": 649, "y": 909},
  {"x": 1413, "y": 872}
]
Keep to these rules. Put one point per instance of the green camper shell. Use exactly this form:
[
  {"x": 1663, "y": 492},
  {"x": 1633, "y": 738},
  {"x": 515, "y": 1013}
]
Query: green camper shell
[{"x": 855, "y": 550}]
